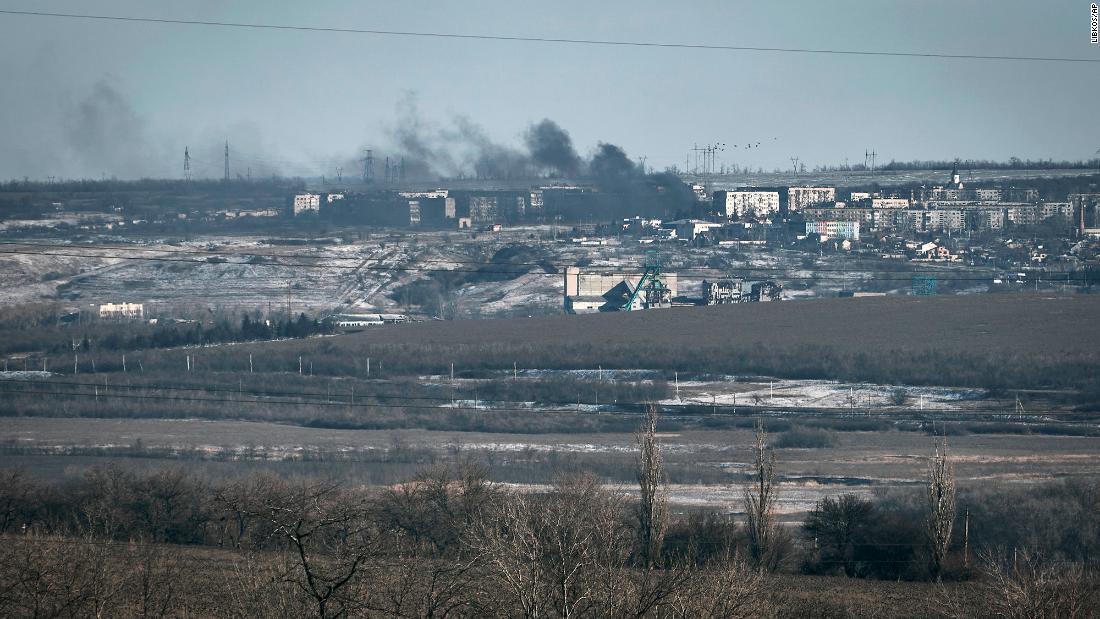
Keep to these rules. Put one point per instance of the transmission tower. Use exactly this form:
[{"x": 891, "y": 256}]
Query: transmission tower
[
  {"x": 368, "y": 166},
  {"x": 339, "y": 174},
  {"x": 794, "y": 164},
  {"x": 226, "y": 160},
  {"x": 186, "y": 164}
]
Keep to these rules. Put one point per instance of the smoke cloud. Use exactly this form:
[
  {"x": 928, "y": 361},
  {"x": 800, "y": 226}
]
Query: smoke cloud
[{"x": 551, "y": 149}]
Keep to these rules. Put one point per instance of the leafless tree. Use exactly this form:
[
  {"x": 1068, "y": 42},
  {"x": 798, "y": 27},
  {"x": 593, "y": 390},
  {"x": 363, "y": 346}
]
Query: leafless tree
[
  {"x": 16, "y": 499},
  {"x": 1021, "y": 585},
  {"x": 509, "y": 540},
  {"x": 437, "y": 506},
  {"x": 653, "y": 505},
  {"x": 329, "y": 533},
  {"x": 759, "y": 499},
  {"x": 723, "y": 589},
  {"x": 940, "y": 519}
]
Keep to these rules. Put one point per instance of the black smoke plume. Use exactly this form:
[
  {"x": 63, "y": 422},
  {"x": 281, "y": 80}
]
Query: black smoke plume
[{"x": 552, "y": 150}]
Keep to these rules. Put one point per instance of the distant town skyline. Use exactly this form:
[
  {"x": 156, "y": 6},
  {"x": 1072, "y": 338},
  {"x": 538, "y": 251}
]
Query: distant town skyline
[{"x": 86, "y": 98}]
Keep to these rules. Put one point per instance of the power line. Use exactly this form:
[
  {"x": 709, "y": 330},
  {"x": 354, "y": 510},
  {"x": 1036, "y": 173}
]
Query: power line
[
  {"x": 747, "y": 411},
  {"x": 552, "y": 40},
  {"x": 334, "y": 399}
]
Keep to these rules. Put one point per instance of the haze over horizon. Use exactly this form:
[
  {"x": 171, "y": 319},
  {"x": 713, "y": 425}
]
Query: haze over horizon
[{"x": 90, "y": 98}]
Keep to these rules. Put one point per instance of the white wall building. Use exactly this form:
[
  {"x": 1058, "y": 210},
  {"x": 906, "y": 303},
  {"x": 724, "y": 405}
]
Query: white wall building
[
  {"x": 799, "y": 198},
  {"x": 742, "y": 202},
  {"x": 890, "y": 203},
  {"x": 129, "y": 311},
  {"x": 306, "y": 202}
]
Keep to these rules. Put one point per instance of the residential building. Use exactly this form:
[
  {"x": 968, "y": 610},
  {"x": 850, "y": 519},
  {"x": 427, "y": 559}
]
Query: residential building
[
  {"x": 889, "y": 202},
  {"x": 834, "y": 229},
  {"x": 738, "y": 203},
  {"x": 128, "y": 311},
  {"x": 307, "y": 202},
  {"x": 799, "y": 198}
]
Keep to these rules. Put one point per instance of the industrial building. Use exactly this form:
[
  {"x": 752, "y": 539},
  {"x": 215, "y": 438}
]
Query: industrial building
[
  {"x": 723, "y": 291},
  {"x": 588, "y": 292},
  {"x": 355, "y": 322}
]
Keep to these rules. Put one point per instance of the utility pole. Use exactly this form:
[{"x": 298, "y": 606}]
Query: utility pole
[{"x": 966, "y": 539}]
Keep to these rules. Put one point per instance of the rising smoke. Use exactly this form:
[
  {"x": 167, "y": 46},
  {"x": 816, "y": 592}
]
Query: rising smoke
[
  {"x": 551, "y": 149},
  {"x": 463, "y": 149}
]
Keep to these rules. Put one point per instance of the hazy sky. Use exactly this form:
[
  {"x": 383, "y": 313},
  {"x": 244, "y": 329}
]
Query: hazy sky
[{"x": 85, "y": 98}]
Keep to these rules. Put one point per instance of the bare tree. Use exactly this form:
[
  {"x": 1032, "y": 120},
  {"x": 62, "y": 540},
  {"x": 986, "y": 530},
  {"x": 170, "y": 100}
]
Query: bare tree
[
  {"x": 759, "y": 498},
  {"x": 510, "y": 541},
  {"x": 329, "y": 534},
  {"x": 653, "y": 506},
  {"x": 941, "y": 508},
  {"x": 723, "y": 589},
  {"x": 1025, "y": 586}
]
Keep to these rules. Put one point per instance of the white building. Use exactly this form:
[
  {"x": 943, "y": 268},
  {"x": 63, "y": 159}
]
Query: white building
[
  {"x": 834, "y": 229},
  {"x": 305, "y": 202},
  {"x": 129, "y": 311},
  {"x": 890, "y": 203},
  {"x": 742, "y": 202},
  {"x": 799, "y": 198},
  {"x": 688, "y": 229}
]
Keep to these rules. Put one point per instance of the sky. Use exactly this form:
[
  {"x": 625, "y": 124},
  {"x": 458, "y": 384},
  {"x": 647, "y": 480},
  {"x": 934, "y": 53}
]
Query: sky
[{"x": 86, "y": 99}]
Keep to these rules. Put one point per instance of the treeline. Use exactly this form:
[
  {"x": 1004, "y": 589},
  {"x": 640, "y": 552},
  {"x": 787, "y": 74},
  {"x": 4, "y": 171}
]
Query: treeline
[
  {"x": 44, "y": 335},
  {"x": 450, "y": 543},
  {"x": 216, "y": 186},
  {"x": 485, "y": 404},
  {"x": 1013, "y": 163}
]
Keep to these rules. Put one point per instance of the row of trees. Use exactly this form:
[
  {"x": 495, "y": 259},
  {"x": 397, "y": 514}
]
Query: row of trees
[{"x": 46, "y": 336}]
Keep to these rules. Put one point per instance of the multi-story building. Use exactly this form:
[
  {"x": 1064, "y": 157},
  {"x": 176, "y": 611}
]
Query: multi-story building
[
  {"x": 834, "y": 229},
  {"x": 742, "y": 202},
  {"x": 799, "y": 198},
  {"x": 985, "y": 218},
  {"x": 889, "y": 202},
  {"x": 483, "y": 209},
  {"x": 306, "y": 202}
]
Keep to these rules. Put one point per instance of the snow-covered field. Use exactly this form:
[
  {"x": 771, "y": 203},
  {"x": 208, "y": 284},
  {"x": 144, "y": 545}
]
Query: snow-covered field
[
  {"x": 365, "y": 273},
  {"x": 751, "y": 393}
]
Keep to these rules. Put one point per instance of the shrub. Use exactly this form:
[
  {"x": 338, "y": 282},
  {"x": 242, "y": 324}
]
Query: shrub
[{"x": 806, "y": 438}]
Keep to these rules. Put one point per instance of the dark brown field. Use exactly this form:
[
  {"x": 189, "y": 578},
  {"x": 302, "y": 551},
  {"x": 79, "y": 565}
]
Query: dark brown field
[{"x": 992, "y": 323}]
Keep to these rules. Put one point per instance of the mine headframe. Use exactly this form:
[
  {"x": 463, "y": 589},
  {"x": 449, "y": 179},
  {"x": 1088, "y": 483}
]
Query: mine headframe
[{"x": 651, "y": 290}]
